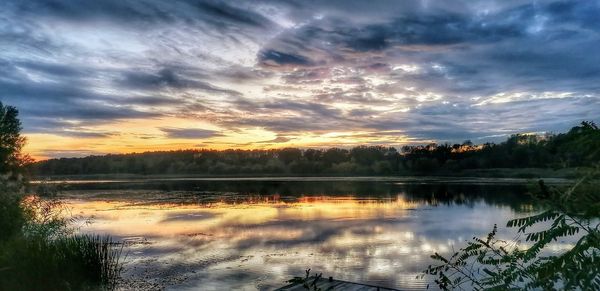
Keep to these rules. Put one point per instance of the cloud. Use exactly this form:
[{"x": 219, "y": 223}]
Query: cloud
[
  {"x": 433, "y": 122},
  {"x": 221, "y": 12},
  {"x": 335, "y": 39},
  {"x": 380, "y": 70},
  {"x": 143, "y": 12},
  {"x": 51, "y": 153},
  {"x": 272, "y": 57},
  {"x": 278, "y": 139},
  {"x": 190, "y": 133},
  {"x": 167, "y": 78},
  {"x": 66, "y": 101},
  {"x": 63, "y": 128},
  {"x": 462, "y": 44}
]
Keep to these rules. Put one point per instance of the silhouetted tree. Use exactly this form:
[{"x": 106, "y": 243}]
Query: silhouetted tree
[
  {"x": 288, "y": 155},
  {"x": 11, "y": 141},
  {"x": 335, "y": 156},
  {"x": 578, "y": 147}
]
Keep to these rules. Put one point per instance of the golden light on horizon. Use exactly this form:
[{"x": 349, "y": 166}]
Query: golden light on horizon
[{"x": 128, "y": 139}]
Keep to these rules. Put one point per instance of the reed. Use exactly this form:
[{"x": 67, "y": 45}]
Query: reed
[{"x": 76, "y": 262}]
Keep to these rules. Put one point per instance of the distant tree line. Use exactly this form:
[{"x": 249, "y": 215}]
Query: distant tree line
[{"x": 578, "y": 147}]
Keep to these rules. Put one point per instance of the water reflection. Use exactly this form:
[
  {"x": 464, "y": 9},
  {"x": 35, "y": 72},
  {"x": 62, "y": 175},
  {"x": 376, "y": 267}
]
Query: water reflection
[{"x": 258, "y": 236}]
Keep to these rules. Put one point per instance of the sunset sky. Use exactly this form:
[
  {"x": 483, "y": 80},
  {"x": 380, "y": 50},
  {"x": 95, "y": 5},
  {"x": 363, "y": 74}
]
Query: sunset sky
[{"x": 95, "y": 77}]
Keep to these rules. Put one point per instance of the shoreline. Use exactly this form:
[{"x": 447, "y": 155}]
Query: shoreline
[{"x": 518, "y": 174}]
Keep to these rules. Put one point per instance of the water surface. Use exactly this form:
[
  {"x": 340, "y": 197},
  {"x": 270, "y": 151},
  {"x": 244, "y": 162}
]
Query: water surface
[{"x": 255, "y": 234}]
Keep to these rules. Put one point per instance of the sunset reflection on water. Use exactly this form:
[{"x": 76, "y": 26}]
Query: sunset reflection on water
[{"x": 259, "y": 242}]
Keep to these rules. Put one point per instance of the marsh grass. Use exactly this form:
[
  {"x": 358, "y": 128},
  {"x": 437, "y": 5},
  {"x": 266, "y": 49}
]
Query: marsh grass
[{"x": 75, "y": 262}]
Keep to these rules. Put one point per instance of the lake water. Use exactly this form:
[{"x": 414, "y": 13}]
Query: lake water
[{"x": 254, "y": 234}]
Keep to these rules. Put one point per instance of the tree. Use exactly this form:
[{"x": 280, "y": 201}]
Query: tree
[
  {"x": 288, "y": 155},
  {"x": 11, "y": 141},
  {"x": 335, "y": 156},
  {"x": 12, "y": 217},
  {"x": 313, "y": 155},
  {"x": 367, "y": 155}
]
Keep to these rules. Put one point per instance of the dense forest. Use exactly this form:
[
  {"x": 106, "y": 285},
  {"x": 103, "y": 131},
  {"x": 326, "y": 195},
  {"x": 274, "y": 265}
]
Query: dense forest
[{"x": 579, "y": 147}]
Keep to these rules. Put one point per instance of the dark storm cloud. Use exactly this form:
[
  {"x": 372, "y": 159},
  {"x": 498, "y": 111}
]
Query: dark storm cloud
[{"x": 190, "y": 133}]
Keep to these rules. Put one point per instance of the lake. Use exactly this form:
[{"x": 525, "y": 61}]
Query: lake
[{"x": 254, "y": 234}]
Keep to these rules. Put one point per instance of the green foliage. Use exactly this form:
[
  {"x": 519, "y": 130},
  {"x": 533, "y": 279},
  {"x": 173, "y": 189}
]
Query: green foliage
[
  {"x": 494, "y": 264},
  {"x": 11, "y": 142}
]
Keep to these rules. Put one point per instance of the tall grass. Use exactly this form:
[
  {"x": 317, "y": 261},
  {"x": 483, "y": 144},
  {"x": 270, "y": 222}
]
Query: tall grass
[
  {"x": 76, "y": 262},
  {"x": 98, "y": 257},
  {"x": 38, "y": 250}
]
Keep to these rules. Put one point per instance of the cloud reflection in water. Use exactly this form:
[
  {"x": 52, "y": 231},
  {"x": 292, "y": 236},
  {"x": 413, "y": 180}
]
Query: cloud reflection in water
[{"x": 262, "y": 243}]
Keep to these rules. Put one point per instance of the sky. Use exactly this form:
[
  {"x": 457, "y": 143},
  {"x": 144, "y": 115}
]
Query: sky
[{"x": 115, "y": 76}]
